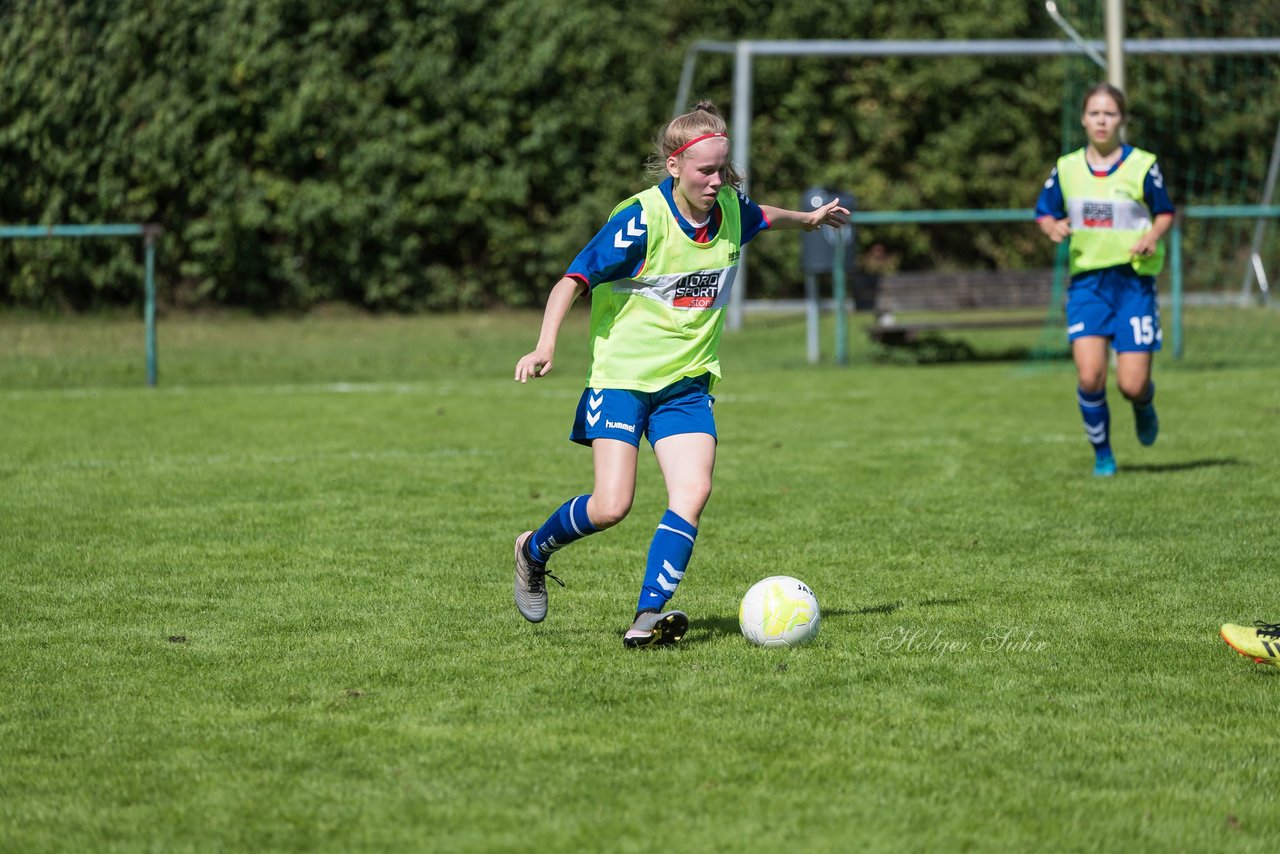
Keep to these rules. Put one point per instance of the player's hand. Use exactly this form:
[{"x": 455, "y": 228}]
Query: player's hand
[
  {"x": 829, "y": 214},
  {"x": 1145, "y": 247},
  {"x": 1056, "y": 230},
  {"x": 533, "y": 365}
]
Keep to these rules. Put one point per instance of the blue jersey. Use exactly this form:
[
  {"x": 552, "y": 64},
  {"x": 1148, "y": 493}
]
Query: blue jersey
[
  {"x": 618, "y": 249},
  {"x": 1052, "y": 204}
]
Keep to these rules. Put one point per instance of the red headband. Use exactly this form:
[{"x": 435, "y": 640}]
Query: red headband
[{"x": 698, "y": 139}]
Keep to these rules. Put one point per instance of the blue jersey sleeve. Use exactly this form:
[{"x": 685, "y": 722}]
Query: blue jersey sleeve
[
  {"x": 752, "y": 218},
  {"x": 1154, "y": 192},
  {"x": 616, "y": 252},
  {"x": 1051, "y": 203}
]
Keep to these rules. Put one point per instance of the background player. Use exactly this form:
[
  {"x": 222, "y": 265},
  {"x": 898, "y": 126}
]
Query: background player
[{"x": 1109, "y": 199}]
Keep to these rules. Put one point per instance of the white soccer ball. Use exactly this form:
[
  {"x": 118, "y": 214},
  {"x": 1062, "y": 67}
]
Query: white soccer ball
[{"x": 779, "y": 611}]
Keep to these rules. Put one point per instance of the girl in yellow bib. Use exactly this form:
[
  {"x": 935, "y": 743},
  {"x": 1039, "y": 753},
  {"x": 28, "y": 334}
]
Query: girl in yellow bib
[
  {"x": 659, "y": 274},
  {"x": 1109, "y": 200}
]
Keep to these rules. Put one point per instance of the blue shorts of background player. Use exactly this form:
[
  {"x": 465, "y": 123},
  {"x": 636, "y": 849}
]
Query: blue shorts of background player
[
  {"x": 1118, "y": 304},
  {"x": 684, "y": 406}
]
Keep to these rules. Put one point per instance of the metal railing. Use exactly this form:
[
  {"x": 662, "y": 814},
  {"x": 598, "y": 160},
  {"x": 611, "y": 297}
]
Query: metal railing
[
  {"x": 148, "y": 232},
  {"x": 925, "y": 217}
]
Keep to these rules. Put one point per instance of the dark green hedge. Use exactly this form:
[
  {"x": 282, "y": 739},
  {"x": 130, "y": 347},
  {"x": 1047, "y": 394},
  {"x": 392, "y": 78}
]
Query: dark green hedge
[{"x": 457, "y": 153}]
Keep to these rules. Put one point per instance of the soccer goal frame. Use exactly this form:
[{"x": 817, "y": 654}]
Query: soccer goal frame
[
  {"x": 147, "y": 231},
  {"x": 745, "y": 52}
]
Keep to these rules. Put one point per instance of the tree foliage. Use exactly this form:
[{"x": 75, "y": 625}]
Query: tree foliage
[{"x": 436, "y": 154}]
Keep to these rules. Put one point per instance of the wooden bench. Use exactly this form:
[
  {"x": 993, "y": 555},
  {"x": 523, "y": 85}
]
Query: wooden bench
[{"x": 996, "y": 299}]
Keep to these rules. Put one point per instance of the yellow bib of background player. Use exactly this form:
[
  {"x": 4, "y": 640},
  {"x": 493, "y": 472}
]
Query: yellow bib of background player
[
  {"x": 663, "y": 325},
  {"x": 1108, "y": 213}
]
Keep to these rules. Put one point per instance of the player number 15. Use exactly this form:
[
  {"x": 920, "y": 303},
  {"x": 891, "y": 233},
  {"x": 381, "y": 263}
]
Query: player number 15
[{"x": 1144, "y": 329}]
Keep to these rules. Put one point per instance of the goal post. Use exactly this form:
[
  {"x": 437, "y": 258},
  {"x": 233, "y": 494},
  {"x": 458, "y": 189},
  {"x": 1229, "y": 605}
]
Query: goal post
[
  {"x": 745, "y": 52},
  {"x": 147, "y": 231}
]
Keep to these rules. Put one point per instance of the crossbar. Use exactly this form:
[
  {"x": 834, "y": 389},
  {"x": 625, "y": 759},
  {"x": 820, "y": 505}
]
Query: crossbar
[{"x": 111, "y": 230}]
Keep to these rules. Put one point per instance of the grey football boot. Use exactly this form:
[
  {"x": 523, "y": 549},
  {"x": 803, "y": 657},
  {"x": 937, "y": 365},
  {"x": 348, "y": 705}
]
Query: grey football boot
[{"x": 531, "y": 582}]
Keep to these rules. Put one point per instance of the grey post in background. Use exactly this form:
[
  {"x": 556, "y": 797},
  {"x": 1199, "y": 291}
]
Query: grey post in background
[
  {"x": 1254, "y": 267},
  {"x": 741, "y": 155},
  {"x": 1115, "y": 43},
  {"x": 827, "y": 250}
]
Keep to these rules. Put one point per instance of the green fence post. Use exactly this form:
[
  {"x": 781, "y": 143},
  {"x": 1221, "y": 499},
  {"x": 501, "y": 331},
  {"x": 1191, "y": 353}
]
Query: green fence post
[
  {"x": 149, "y": 242},
  {"x": 840, "y": 291},
  {"x": 1175, "y": 265}
]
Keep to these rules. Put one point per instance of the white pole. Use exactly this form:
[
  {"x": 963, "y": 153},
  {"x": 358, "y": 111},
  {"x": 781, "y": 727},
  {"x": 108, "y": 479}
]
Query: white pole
[
  {"x": 1260, "y": 228},
  {"x": 686, "y": 81},
  {"x": 1115, "y": 43},
  {"x": 811, "y": 314},
  {"x": 1090, "y": 51},
  {"x": 741, "y": 154}
]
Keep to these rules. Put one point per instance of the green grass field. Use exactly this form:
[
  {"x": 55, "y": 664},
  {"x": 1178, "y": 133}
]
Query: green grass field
[{"x": 266, "y": 606}]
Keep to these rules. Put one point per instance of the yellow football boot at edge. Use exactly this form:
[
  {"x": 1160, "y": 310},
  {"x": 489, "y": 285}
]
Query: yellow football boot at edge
[{"x": 1261, "y": 641}]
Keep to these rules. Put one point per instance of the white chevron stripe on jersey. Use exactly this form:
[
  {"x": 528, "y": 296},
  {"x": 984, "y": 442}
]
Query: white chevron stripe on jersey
[
  {"x": 594, "y": 402},
  {"x": 633, "y": 229},
  {"x": 592, "y": 418},
  {"x": 668, "y": 586},
  {"x": 672, "y": 571}
]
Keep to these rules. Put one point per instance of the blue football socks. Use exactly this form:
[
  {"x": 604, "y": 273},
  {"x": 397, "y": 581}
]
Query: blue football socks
[
  {"x": 566, "y": 525},
  {"x": 1144, "y": 416},
  {"x": 1097, "y": 419},
  {"x": 668, "y": 558}
]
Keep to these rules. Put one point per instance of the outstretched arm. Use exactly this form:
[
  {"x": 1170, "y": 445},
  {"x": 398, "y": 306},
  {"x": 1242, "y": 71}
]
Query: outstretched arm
[
  {"x": 829, "y": 214},
  {"x": 537, "y": 363}
]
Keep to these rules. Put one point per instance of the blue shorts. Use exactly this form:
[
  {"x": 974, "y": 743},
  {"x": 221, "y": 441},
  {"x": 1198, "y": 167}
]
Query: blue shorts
[
  {"x": 1115, "y": 303},
  {"x": 616, "y": 413}
]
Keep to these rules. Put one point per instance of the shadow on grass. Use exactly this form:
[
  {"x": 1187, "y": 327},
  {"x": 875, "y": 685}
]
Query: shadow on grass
[
  {"x": 719, "y": 626},
  {"x": 938, "y": 350},
  {"x": 1159, "y": 468}
]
